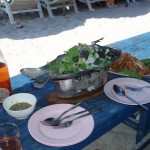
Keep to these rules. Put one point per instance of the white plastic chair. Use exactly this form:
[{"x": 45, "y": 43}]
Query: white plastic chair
[
  {"x": 21, "y": 6},
  {"x": 56, "y": 4},
  {"x": 132, "y": 3},
  {"x": 90, "y": 2}
]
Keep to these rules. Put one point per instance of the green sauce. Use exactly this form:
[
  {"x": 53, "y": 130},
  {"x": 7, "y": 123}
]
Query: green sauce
[{"x": 20, "y": 106}]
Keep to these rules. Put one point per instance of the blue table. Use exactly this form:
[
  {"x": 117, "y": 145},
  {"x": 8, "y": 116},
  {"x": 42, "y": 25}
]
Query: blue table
[{"x": 113, "y": 114}]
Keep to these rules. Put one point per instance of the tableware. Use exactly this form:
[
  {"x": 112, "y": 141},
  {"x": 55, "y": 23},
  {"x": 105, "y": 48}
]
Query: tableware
[
  {"x": 127, "y": 62},
  {"x": 136, "y": 88},
  {"x": 38, "y": 84},
  {"x": 114, "y": 75},
  {"x": 69, "y": 123},
  {"x": 89, "y": 73},
  {"x": 122, "y": 92},
  {"x": 141, "y": 96},
  {"x": 62, "y": 137},
  {"x": 56, "y": 121},
  {"x": 41, "y": 80},
  {"x": 9, "y": 137},
  {"x": 66, "y": 117},
  {"x": 16, "y": 99},
  {"x": 42, "y": 73}
]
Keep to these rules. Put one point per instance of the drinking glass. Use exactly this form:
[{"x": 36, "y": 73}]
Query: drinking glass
[{"x": 9, "y": 137}]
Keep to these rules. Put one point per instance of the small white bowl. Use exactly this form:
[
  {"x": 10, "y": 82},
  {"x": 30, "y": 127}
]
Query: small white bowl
[{"x": 16, "y": 98}]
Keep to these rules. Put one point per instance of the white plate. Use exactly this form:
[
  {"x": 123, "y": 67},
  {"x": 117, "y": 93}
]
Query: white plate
[
  {"x": 77, "y": 132},
  {"x": 142, "y": 96}
]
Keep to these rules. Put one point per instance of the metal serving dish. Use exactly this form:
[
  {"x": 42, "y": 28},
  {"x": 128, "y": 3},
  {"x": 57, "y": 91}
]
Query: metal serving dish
[
  {"x": 81, "y": 85},
  {"x": 77, "y": 83}
]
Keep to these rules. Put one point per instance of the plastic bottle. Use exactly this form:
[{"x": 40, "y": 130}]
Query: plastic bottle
[{"x": 5, "y": 85}]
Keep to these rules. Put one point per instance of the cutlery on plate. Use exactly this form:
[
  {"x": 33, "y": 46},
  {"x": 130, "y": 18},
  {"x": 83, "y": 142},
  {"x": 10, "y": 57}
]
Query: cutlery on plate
[
  {"x": 136, "y": 88},
  {"x": 66, "y": 117},
  {"x": 56, "y": 121},
  {"x": 69, "y": 123},
  {"x": 118, "y": 90}
]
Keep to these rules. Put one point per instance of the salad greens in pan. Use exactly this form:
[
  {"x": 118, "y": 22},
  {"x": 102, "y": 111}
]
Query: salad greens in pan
[{"x": 83, "y": 57}]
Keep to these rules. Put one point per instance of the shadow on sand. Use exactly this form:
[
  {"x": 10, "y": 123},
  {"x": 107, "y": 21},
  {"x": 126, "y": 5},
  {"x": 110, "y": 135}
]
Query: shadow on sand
[{"x": 34, "y": 27}]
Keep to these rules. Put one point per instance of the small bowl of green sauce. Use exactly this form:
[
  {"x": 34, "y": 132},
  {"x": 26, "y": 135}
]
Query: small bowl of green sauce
[{"x": 20, "y": 105}]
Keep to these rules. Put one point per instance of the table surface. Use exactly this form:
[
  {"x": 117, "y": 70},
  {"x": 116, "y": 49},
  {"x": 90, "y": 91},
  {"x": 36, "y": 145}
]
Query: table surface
[{"x": 113, "y": 114}]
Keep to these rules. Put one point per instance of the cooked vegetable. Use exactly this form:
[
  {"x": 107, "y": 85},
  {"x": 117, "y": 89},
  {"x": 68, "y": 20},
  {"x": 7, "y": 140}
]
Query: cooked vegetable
[
  {"x": 131, "y": 66},
  {"x": 20, "y": 106},
  {"x": 131, "y": 73},
  {"x": 82, "y": 57},
  {"x": 146, "y": 62}
]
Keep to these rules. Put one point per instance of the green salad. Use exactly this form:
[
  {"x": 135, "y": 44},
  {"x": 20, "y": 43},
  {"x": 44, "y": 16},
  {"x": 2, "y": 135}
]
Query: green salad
[{"x": 80, "y": 58}]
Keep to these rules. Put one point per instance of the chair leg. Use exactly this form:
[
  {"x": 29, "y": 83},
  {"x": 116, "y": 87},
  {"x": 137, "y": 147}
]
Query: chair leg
[
  {"x": 89, "y": 5},
  {"x": 50, "y": 13},
  {"x": 40, "y": 9},
  {"x": 75, "y": 6},
  {"x": 9, "y": 12}
]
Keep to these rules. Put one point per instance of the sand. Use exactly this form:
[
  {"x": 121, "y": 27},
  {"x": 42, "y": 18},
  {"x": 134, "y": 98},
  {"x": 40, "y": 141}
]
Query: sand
[{"x": 41, "y": 40}]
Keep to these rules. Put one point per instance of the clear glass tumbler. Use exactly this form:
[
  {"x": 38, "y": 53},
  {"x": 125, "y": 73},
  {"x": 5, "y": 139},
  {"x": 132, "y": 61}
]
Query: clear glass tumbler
[{"x": 9, "y": 137}]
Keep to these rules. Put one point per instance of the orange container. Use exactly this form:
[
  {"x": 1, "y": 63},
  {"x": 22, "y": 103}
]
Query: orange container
[{"x": 5, "y": 85}]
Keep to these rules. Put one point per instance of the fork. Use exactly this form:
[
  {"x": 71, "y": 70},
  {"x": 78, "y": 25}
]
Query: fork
[
  {"x": 136, "y": 88},
  {"x": 69, "y": 123},
  {"x": 66, "y": 117}
]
